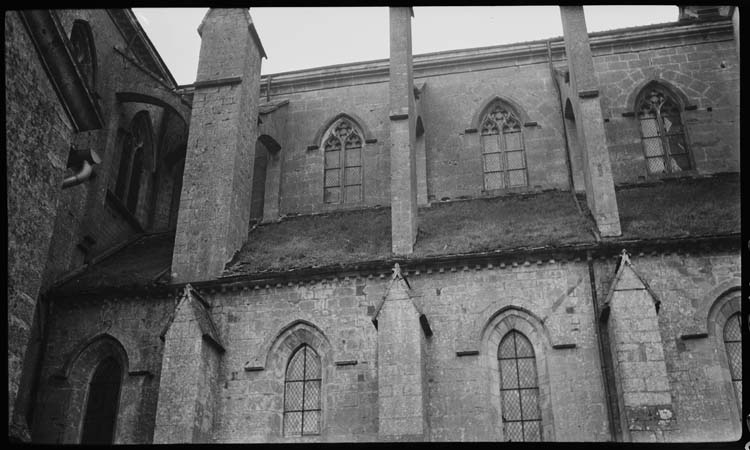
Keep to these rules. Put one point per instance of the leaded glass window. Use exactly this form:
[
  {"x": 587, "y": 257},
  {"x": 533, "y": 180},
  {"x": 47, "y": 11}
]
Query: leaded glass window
[
  {"x": 302, "y": 393},
  {"x": 343, "y": 164},
  {"x": 101, "y": 407},
  {"x": 733, "y": 345},
  {"x": 662, "y": 132},
  {"x": 519, "y": 388},
  {"x": 503, "y": 155}
]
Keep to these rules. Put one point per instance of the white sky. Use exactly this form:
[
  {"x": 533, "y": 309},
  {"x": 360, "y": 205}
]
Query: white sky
[{"x": 302, "y": 38}]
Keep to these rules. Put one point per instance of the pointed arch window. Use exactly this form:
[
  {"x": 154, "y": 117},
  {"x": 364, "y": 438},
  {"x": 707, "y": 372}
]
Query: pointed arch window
[
  {"x": 342, "y": 151},
  {"x": 136, "y": 147},
  {"x": 101, "y": 407},
  {"x": 519, "y": 388},
  {"x": 84, "y": 53},
  {"x": 733, "y": 346},
  {"x": 662, "y": 131},
  {"x": 503, "y": 154},
  {"x": 302, "y": 393}
]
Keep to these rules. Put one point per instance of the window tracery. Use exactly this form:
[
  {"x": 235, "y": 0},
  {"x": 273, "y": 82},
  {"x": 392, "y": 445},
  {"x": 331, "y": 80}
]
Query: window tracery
[
  {"x": 343, "y": 164},
  {"x": 503, "y": 153},
  {"x": 662, "y": 132}
]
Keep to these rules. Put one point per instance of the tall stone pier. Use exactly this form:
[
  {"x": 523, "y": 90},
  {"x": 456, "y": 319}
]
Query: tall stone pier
[
  {"x": 215, "y": 203},
  {"x": 403, "y": 135}
]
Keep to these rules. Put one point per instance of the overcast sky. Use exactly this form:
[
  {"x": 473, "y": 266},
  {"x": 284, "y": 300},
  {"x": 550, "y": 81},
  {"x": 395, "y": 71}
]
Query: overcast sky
[{"x": 301, "y": 38}]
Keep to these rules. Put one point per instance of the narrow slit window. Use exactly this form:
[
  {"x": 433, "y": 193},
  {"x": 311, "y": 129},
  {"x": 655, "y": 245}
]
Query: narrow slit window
[
  {"x": 302, "y": 393},
  {"x": 503, "y": 153},
  {"x": 519, "y": 389}
]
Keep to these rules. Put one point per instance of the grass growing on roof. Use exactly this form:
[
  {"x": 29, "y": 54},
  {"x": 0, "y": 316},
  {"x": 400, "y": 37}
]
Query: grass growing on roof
[
  {"x": 514, "y": 221},
  {"x": 681, "y": 207},
  {"x": 318, "y": 240}
]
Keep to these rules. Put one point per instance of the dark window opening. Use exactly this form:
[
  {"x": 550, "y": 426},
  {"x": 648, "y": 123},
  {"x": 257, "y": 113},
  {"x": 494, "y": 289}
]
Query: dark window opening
[{"x": 101, "y": 407}]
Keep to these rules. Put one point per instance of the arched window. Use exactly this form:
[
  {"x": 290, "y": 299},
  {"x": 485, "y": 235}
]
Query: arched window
[
  {"x": 342, "y": 151},
  {"x": 302, "y": 393},
  {"x": 504, "y": 159},
  {"x": 84, "y": 51},
  {"x": 136, "y": 147},
  {"x": 662, "y": 131},
  {"x": 101, "y": 407},
  {"x": 733, "y": 345},
  {"x": 519, "y": 388}
]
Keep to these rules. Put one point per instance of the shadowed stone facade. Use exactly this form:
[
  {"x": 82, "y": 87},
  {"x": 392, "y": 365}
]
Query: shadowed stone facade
[{"x": 534, "y": 241}]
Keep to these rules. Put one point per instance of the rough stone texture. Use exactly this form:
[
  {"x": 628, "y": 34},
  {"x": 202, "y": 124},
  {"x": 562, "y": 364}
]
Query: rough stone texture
[
  {"x": 638, "y": 359},
  {"x": 39, "y": 134},
  {"x": 189, "y": 384},
  {"x": 238, "y": 396},
  {"x": 135, "y": 323},
  {"x": 402, "y": 393},
  {"x": 215, "y": 200}
]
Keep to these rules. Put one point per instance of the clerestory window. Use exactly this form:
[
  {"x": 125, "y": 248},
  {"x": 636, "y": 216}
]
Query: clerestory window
[
  {"x": 662, "y": 131},
  {"x": 503, "y": 154},
  {"x": 519, "y": 388},
  {"x": 302, "y": 393},
  {"x": 135, "y": 146},
  {"x": 342, "y": 151}
]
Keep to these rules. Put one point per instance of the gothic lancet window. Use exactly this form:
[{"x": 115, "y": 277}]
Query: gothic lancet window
[
  {"x": 733, "y": 345},
  {"x": 101, "y": 407},
  {"x": 503, "y": 155},
  {"x": 519, "y": 388},
  {"x": 135, "y": 150},
  {"x": 302, "y": 393},
  {"x": 83, "y": 51},
  {"x": 343, "y": 163},
  {"x": 662, "y": 131}
]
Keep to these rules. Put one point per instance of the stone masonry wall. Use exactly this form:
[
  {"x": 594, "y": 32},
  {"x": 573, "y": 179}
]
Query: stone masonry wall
[
  {"x": 458, "y": 304},
  {"x": 136, "y": 323},
  {"x": 704, "y": 69},
  {"x": 38, "y": 137}
]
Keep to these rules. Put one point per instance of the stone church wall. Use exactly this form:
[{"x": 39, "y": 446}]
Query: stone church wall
[
  {"x": 38, "y": 138},
  {"x": 704, "y": 71}
]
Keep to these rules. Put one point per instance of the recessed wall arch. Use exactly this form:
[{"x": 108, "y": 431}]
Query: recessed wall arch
[
  {"x": 78, "y": 376},
  {"x": 285, "y": 344},
  {"x": 500, "y": 323}
]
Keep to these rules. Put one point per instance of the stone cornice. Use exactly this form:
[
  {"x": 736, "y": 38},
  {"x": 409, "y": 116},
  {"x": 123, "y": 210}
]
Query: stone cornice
[
  {"x": 382, "y": 269},
  {"x": 534, "y": 52}
]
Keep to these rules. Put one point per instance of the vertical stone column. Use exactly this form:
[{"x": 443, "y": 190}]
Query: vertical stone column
[
  {"x": 643, "y": 392},
  {"x": 402, "y": 393},
  {"x": 403, "y": 131},
  {"x": 188, "y": 389},
  {"x": 215, "y": 203},
  {"x": 600, "y": 189}
]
